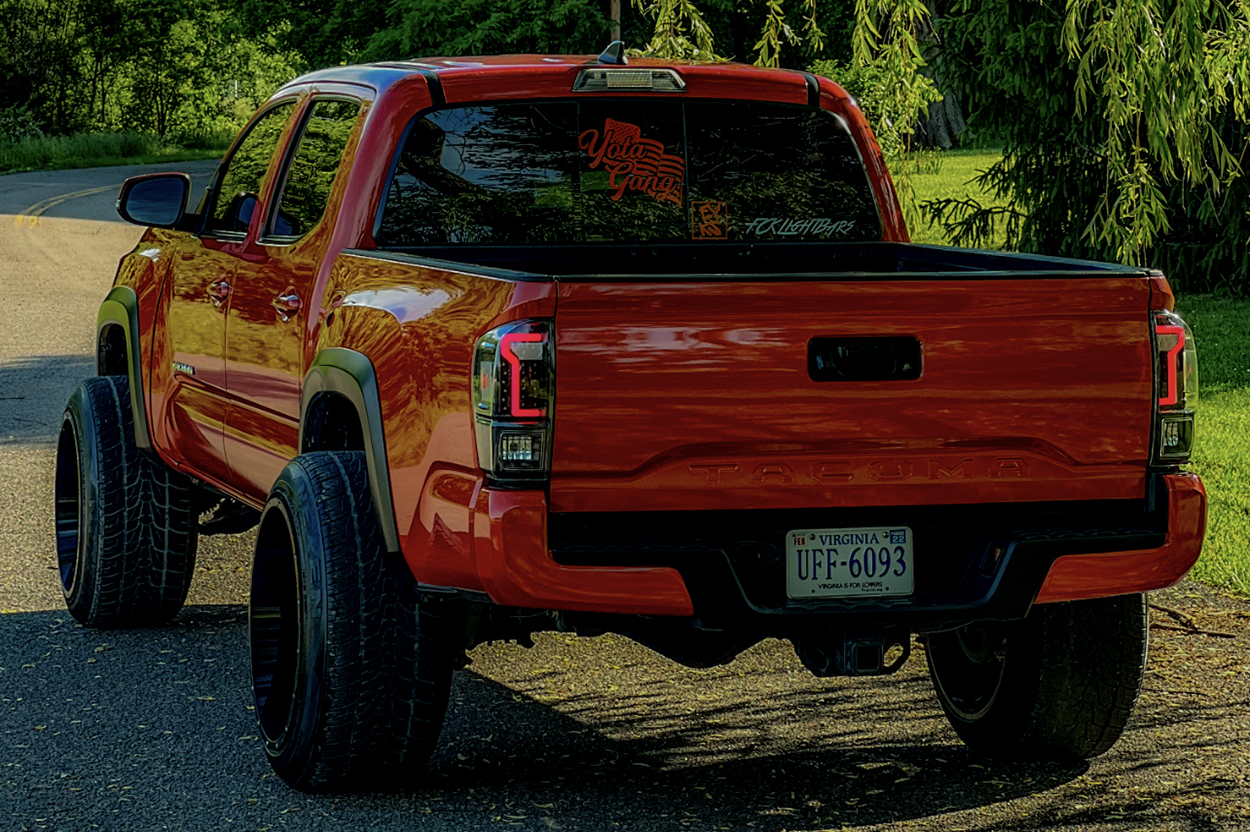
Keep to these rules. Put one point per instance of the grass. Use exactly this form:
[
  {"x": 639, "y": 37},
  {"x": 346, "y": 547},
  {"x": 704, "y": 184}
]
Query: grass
[
  {"x": 1221, "y": 328},
  {"x": 1222, "y": 455},
  {"x": 948, "y": 174},
  {"x": 88, "y": 150}
]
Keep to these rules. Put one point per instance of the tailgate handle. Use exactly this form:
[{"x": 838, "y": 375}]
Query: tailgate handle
[{"x": 877, "y": 358}]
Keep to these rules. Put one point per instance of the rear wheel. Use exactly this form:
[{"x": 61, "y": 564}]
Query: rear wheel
[
  {"x": 350, "y": 674},
  {"x": 1060, "y": 685},
  {"x": 126, "y": 526}
]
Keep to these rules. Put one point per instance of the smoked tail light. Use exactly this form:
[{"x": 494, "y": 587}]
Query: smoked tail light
[
  {"x": 1176, "y": 389},
  {"x": 513, "y": 394}
]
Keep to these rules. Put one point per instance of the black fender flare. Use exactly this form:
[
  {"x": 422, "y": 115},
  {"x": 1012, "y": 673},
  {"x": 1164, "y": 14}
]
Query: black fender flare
[
  {"x": 350, "y": 374},
  {"x": 121, "y": 308}
]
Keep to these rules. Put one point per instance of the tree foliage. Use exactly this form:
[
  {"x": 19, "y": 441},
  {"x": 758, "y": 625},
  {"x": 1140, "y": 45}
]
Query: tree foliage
[
  {"x": 416, "y": 28},
  {"x": 158, "y": 66},
  {"x": 1126, "y": 130}
]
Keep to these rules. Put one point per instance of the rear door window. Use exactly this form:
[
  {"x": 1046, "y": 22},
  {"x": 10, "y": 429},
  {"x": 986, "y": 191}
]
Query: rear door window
[
  {"x": 313, "y": 168},
  {"x": 627, "y": 171}
]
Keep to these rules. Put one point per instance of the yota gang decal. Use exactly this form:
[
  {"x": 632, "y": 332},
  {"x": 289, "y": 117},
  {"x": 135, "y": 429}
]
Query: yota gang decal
[
  {"x": 634, "y": 163},
  {"x": 709, "y": 220}
]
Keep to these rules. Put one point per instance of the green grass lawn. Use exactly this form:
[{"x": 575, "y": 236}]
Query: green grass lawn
[
  {"x": 89, "y": 150},
  {"x": 948, "y": 175},
  {"x": 1222, "y": 456},
  {"x": 1221, "y": 328}
]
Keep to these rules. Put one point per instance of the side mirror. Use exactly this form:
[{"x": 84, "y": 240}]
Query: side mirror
[
  {"x": 155, "y": 199},
  {"x": 239, "y": 212}
]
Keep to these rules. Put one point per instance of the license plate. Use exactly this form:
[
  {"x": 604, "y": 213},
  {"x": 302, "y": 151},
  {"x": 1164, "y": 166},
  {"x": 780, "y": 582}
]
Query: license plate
[{"x": 845, "y": 563}]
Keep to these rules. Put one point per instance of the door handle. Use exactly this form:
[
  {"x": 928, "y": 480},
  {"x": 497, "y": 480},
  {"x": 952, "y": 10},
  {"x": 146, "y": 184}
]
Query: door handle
[
  {"x": 286, "y": 305},
  {"x": 218, "y": 291}
]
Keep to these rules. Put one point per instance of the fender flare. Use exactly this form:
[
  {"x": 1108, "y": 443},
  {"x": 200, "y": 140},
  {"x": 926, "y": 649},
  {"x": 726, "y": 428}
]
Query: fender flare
[
  {"x": 121, "y": 308},
  {"x": 350, "y": 374}
]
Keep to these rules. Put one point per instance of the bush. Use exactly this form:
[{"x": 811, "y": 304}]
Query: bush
[
  {"x": 80, "y": 150},
  {"x": 871, "y": 89},
  {"x": 17, "y": 124},
  {"x": 215, "y": 140}
]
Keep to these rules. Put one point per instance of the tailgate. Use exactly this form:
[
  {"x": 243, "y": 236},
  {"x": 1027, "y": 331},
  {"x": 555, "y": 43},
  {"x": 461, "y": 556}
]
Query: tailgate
[{"x": 698, "y": 395}]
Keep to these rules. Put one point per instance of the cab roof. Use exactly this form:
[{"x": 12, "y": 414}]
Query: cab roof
[{"x": 382, "y": 74}]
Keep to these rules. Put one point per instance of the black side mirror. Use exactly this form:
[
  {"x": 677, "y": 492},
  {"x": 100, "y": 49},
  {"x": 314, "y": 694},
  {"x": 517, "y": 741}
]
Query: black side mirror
[
  {"x": 155, "y": 199},
  {"x": 239, "y": 212}
]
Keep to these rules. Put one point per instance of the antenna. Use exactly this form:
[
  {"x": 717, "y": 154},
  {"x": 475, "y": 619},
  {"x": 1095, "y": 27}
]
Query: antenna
[{"x": 614, "y": 54}]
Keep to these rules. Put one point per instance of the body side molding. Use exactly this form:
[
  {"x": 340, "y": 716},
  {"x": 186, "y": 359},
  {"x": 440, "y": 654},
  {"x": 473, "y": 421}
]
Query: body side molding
[
  {"x": 121, "y": 308},
  {"x": 350, "y": 374}
]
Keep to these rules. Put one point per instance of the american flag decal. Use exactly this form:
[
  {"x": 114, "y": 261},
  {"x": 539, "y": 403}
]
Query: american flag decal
[{"x": 634, "y": 163}]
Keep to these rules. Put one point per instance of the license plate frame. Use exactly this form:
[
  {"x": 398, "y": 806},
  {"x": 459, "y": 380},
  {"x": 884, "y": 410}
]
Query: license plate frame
[{"x": 821, "y": 563}]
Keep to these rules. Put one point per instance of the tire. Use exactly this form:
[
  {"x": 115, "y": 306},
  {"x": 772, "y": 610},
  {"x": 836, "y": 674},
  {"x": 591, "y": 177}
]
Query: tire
[
  {"x": 126, "y": 526},
  {"x": 1059, "y": 686},
  {"x": 350, "y": 673}
]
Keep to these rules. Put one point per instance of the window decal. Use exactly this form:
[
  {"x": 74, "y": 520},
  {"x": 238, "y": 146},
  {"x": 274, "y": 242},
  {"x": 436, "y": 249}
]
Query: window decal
[
  {"x": 634, "y": 163},
  {"x": 709, "y": 221},
  {"x": 783, "y": 227}
]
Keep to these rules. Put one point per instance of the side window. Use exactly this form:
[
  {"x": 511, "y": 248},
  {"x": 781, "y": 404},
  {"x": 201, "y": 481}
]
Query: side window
[
  {"x": 239, "y": 190},
  {"x": 314, "y": 166}
]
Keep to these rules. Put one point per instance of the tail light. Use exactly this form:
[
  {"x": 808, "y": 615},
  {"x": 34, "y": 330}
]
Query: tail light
[
  {"x": 513, "y": 393},
  {"x": 1176, "y": 388}
]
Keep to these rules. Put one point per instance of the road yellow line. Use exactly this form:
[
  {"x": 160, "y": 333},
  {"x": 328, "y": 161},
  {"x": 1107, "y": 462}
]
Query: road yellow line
[{"x": 30, "y": 216}]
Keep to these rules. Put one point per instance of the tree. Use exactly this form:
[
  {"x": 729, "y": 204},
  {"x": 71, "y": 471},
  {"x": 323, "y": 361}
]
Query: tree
[{"x": 1126, "y": 126}]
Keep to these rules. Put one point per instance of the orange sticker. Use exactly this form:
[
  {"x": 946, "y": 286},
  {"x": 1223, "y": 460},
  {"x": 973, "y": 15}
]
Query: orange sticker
[
  {"x": 634, "y": 163},
  {"x": 709, "y": 221}
]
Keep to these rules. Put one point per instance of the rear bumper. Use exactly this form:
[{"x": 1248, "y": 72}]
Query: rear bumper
[
  {"x": 517, "y": 570},
  {"x": 636, "y": 563},
  {"x": 1073, "y": 577}
]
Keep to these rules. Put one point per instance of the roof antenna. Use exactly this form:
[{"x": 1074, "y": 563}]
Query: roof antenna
[{"x": 614, "y": 54}]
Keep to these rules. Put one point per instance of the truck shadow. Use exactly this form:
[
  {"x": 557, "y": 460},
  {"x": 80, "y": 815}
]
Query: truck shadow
[
  {"x": 166, "y": 712},
  {"x": 810, "y": 757}
]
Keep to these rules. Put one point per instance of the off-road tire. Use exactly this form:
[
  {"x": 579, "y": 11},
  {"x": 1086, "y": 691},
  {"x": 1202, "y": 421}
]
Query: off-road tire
[
  {"x": 126, "y": 527},
  {"x": 350, "y": 670},
  {"x": 1060, "y": 685}
]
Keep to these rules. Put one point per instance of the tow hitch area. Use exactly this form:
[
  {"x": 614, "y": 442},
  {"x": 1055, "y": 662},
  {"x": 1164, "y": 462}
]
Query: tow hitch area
[{"x": 853, "y": 654}]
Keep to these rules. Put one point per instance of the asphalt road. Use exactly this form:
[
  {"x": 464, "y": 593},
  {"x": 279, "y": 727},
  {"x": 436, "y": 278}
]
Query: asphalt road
[
  {"x": 150, "y": 729},
  {"x": 86, "y": 194}
]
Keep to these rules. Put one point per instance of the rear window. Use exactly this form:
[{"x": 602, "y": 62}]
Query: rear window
[{"x": 627, "y": 171}]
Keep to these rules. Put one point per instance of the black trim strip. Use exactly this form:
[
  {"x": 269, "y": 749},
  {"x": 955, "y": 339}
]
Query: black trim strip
[
  {"x": 121, "y": 308},
  {"x": 350, "y": 374},
  {"x": 813, "y": 89},
  {"x": 437, "y": 98}
]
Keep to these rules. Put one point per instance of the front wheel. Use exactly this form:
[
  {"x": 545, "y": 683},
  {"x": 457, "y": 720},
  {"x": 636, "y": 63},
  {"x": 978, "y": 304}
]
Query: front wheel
[
  {"x": 350, "y": 673},
  {"x": 1060, "y": 685},
  {"x": 126, "y": 525}
]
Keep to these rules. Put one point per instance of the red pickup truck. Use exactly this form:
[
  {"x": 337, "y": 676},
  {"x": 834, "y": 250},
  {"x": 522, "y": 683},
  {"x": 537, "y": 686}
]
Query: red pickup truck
[{"x": 489, "y": 346}]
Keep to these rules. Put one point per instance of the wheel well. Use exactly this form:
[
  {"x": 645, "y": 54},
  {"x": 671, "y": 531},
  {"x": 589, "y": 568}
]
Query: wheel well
[
  {"x": 111, "y": 352},
  {"x": 332, "y": 424}
]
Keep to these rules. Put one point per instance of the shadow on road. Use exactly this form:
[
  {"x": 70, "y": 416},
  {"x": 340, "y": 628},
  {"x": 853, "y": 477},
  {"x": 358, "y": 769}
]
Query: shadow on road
[
  {"x": 33, "y": 392},
  {"x": 134, "y": 729},
  {"x": 152, "y": 728}
]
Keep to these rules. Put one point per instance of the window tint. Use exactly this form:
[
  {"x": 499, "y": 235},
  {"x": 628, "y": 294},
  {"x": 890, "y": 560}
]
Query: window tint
[
  {"x": 314, "y": 166},
  {"x": 628, "y": 170},
  {"x": 239, "y": 187},
  {"x": 776, "y": 173},
  {"x": 486, "y": 175}
]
